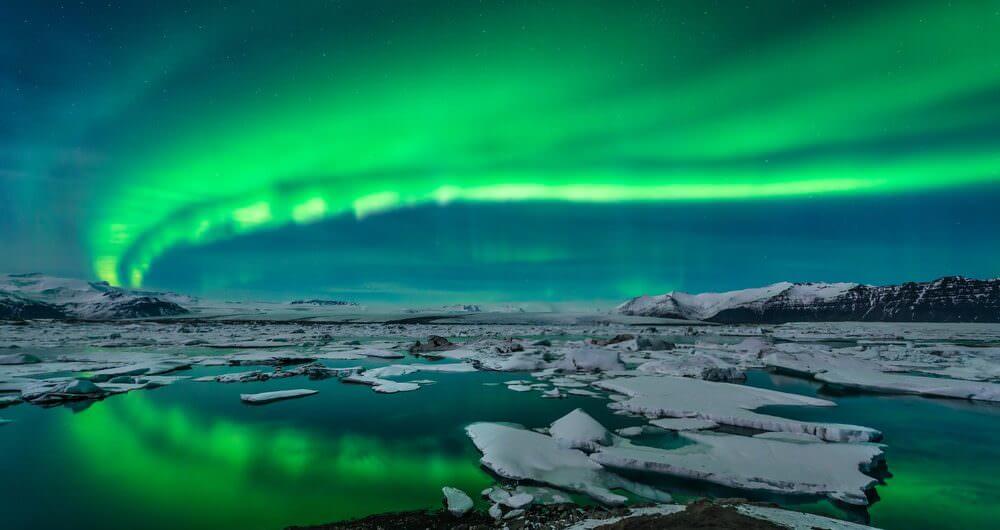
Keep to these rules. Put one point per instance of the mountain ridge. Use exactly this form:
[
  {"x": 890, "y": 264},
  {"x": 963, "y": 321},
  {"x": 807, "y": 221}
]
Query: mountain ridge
[
  {"x": 946, "y": 299},
  {"x": 34, "y": 295}
]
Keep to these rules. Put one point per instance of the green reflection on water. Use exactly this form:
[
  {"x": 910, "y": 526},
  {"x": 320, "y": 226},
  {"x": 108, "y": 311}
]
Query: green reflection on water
[{"x": 253, "y": 476}]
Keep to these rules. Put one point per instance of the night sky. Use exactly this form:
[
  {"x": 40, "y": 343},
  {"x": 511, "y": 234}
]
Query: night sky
[{"x": 425, "y": 152}]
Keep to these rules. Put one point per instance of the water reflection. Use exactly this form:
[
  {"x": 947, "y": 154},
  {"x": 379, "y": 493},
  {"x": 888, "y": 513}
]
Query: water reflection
[{"x": 261, "y": 475}]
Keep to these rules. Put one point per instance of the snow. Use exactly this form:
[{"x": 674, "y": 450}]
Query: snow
[
  {"x": 826, "y": 469},
  {"x": 268, "y": 397},
  {"x": 684, "y": 424},
  {"x": 850, "y": 372},
  {"x": 577, "y": 430},
  {"x": 590, "y": 359},
  {"x": 724, "y": 403},
  {"x": 706, "y": 305},
  {"x": 89, "y": 300},
  {"x": 519, "y": 500},
  {"x": 380, "y": 354},
  {"x": 660, "y": 509},
  {"x": 693, "y": 364},
  {"x": 9, "y": 399},
  {"x": 797, "y": 520},
  {"x": 518, "y": 454},
  {"x": 45, "y": 392},
  {"x": 382, "y": 386},
  {"x": 456, "y": 501},
  {"x": 786, "y": 518},
  {"x": 147, "y": 368},
  {"x": 19, "y": 358}
]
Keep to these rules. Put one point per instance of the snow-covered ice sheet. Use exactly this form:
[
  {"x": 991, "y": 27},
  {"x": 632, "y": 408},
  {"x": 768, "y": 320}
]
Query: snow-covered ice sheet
[
  {"x": 726, "y": 404},
  {"x": 519, "y": 454},
  {"x": 826, "y": 469},
  {"x": 268, "y": 397}
]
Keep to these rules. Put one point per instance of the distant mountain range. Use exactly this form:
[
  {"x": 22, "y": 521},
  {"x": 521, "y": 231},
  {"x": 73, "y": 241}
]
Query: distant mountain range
[
  {"x": 948, "y": 299},
  {"x": 24, "y": 296}
]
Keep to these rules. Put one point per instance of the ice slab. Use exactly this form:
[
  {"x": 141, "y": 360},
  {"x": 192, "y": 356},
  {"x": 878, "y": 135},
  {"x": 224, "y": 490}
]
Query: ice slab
[
  {"x": 577, "y": 430},
  {"x": 684, "y": 424},
  {"x": 268, "y": 397},
  {"x": 519, "y": 454},
  {"x": 832, "y": 470},
  {"x": 798, "y": 520},
  {"x": 456, "y": 501},
  {"x": 725, "y": 404},
  {"x": 853, "y": 373}
]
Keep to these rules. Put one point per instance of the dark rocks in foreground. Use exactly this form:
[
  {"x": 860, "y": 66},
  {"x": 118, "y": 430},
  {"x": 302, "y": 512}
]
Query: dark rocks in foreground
[
  {"x": 948, "y": 299},
  {"x": 702, "y": 514}
]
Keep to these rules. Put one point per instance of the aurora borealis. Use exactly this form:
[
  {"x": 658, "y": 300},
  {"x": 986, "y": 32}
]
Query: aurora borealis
[{"x": 499, "y": 150}]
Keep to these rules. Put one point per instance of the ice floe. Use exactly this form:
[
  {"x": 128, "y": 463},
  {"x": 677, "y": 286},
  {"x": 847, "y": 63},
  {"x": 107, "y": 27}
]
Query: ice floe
[
  {"x": 268, "y": 397},
  {"x": 578, "y": 430},
  {"x": 519, "y": 454},
  {"x": 456, "y": 501},
  {"x": 848, "y": 372},
  {"x": 826, "y": 469},
  {"x": 726, "y": 404}
]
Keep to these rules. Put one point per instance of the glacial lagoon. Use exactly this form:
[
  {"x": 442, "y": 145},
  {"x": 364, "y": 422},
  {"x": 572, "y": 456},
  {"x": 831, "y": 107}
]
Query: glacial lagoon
[{"x": 191, "y": 455}]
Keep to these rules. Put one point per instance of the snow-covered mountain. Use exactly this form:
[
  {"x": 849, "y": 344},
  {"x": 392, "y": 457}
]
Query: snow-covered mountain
[
  {"x": 40, "y": 296},
  {"x": 948, "y": 299}
]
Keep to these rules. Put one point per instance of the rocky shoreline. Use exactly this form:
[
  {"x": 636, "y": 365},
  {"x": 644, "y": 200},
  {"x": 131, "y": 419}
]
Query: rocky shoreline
[{"x": 721, "y": 514}]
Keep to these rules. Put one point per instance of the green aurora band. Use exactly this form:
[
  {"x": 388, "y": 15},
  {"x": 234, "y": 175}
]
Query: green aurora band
[{"x": 587, "y": 103}]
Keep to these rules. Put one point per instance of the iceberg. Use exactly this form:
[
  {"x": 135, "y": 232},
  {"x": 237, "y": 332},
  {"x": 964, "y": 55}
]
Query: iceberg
[{"x": 456, "y": 501}]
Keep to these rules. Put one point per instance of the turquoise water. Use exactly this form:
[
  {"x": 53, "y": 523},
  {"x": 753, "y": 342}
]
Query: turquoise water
[{"x": 192, "y": 455}]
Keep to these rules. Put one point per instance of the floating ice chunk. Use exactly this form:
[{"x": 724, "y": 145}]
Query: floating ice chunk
[
  {"x": 236, "y": 377},
  {"x": 19, "y": 358},
  {"x": 695, "y": 364},
  {"x": 874, "y": 381},
  {"x": 148, "y": 368},
  {"x": 827, "y": 469},
  {"x": 519, "y": 454},
  {"x": 382, "y": 386},
  {"x": 726, "y": 404},
  {"x": 590, "y": 359},
  {"x": 519, "y": 500},
  {"x": 856, "y": 374},
  {"x": 519, "y": 388},
  {"x": 397, "y": 370},
  {"x": 795, "y": 437},
  {"x": 578, "y": 430},
  {"x": 456, "y": 501},
  {"x": 542, "y": 495},
  {"x": 380, "y": 354},
  {"x": 629, "y": 431},
  {"x": 684, "y": 424},
  {"x": 518, "y": 362},
  {"x": 67, "y": 390},
  {"x": 268, "y": 397},
  {"x": 797, "y": 520},
  {"x": 9, "y": 399}
]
